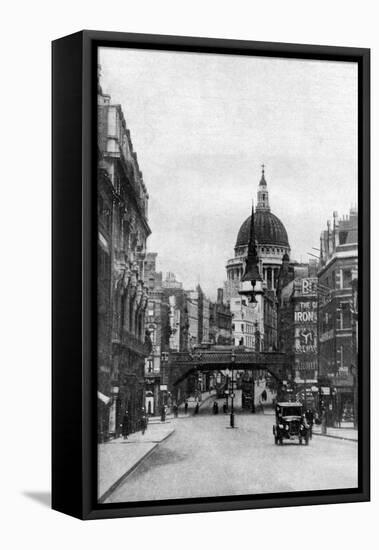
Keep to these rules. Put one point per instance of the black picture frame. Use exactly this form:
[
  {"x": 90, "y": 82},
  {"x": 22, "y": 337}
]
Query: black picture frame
[{"x": 74, "y": 130}]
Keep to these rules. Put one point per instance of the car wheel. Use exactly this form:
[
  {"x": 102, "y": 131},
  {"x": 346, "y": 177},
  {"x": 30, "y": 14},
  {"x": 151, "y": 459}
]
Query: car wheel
[{"x": 300, "y": 441}]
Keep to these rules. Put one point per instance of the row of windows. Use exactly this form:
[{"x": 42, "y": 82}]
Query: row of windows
[
  {"x": 271, "y": 250},
  {"x": 249, "y": 329},
  {"x": 248, "y": 341},
  {"x": 345, "y": 279},
  {"x": 238, "y": 302},
  {"x": 339, "y": 319}
]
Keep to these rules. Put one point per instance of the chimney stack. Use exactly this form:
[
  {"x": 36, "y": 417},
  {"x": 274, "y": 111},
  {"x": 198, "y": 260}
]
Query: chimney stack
[{"x": 220, "y": 296}]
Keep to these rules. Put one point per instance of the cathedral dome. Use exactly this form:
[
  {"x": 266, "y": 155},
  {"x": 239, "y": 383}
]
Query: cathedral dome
[{"x": 268, "y": 230}]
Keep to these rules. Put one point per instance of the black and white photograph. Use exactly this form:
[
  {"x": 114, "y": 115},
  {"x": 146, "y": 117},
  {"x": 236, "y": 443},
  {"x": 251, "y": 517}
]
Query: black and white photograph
[{"x": 227, "y": 275}]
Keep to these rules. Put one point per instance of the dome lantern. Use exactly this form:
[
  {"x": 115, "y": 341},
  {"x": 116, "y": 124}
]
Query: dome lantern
[{"x": 263, "y": 202}]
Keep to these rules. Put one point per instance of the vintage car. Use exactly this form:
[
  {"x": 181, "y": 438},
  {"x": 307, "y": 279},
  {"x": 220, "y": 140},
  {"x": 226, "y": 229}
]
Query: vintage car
[{"x": 290, "y": 423}]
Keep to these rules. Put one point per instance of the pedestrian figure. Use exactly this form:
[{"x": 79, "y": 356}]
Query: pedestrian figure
[
  {"x": 310, "y": 418},
  {"x": 264, "y": 395},
  {"x": 144, "y": 421},
  {"x": 323, "y": 421},
  {"x": 163, "y": 413},
  {"x": 175, "y": 409},
  {"x": 125, "y": 425},
  {"x": 196, "y": 408},
  {"x": 185, "y": 406},
  {"x": 225, "y": 408},
  {"x": 215, "y": 407}
]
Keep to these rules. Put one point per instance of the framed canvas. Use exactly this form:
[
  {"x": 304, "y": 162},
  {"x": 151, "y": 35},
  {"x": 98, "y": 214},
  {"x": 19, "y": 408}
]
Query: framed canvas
[{"x": 211, "y": 289}]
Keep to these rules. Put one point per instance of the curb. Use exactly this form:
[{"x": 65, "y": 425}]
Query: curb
[
  {"x": 337, "y": 437},
  {"x": 118, "y": 482}
]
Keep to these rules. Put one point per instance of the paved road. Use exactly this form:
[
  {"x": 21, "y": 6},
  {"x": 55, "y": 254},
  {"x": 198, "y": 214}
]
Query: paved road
[{"x": 206, "y": 458}]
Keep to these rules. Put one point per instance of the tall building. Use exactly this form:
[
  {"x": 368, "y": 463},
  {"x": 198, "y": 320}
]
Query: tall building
[
  {"x": 297, "y": 295},
  {"x": 220, "y": 321},
  {"x": 122, "y": 233},
  {"x": 245, "y": 323},
  {"x": 105, "y": 197},
  {"x": 167, "y": 323},
  {"x": 159, "y": 332},
  {"x": 254, "y": 325},
  {"x": 337, "y": 354}
]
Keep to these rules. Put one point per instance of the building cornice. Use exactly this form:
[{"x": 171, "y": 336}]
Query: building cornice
[{"x": 343, "y": 255}]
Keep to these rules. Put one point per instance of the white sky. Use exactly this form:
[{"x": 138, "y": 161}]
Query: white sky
[{"x": 203, "y": 124}]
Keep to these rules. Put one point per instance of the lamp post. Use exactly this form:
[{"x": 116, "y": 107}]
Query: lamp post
[
  {"x": 251, "y": 271},
  {"x": 226, "y": 392},
  {"x": 230, "y": 375},
  {"x": 233, "y": 358},
  {"x": 252, "y": 393}
]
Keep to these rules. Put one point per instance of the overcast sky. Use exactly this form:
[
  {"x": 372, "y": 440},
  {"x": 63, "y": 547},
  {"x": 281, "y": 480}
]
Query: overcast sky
[{"x": 203, "y": 124}]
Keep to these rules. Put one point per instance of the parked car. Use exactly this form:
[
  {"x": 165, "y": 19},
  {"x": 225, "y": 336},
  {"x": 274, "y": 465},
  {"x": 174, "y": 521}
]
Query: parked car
[{"x": 290, "y": 423}]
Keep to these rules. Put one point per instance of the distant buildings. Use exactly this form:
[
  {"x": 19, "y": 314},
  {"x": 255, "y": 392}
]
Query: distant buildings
[{"x": 178, "y": 320}]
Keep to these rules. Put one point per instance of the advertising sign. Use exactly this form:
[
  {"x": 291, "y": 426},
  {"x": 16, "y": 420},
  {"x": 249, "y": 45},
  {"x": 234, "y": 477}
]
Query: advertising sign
[
  {"x": 305, "y": 340},
  {"x": 307, "y": 365},
  {"x": 305, "y": 318},
  {"x": 306, "y": 312},
  {"x": 309, "y": 286}
]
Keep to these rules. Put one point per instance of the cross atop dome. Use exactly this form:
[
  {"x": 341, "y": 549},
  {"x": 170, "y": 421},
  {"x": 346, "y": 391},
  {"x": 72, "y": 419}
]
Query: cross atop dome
[
  {"x": 263, "y": 181},
  {"x": 263, "y": 202}
]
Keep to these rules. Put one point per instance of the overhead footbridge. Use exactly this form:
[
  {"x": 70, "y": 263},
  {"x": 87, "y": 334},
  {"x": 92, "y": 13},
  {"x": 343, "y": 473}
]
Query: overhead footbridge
[{"x": 219, "y": 358}]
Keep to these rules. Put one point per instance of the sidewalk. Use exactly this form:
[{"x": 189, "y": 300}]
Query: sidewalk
[
  {"x": 349, "y": 434},
  {"x": 119, "y": 457}
]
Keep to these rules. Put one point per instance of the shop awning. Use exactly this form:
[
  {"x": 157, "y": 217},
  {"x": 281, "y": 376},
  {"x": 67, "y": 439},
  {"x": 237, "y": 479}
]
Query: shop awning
[{"x": 103, "y": 398}]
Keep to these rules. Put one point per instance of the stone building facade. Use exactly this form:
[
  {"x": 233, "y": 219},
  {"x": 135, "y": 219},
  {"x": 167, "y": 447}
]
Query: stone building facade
[
  {"x": 105, "y": 197},
  {"x": 337, "y": 352},
  {"x": 122, "y": 233},
  {"x": 220, "y": 321},
  {"x": 158, "y": 329}
]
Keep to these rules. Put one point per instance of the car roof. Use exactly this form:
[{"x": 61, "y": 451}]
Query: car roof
[{"x": 290, "y": 404}]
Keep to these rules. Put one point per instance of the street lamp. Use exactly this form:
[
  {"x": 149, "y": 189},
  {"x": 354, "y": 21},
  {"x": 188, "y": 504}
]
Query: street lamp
[
  {"x": 251, "y": 272},
  {"x": 232, "y": 361}
]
